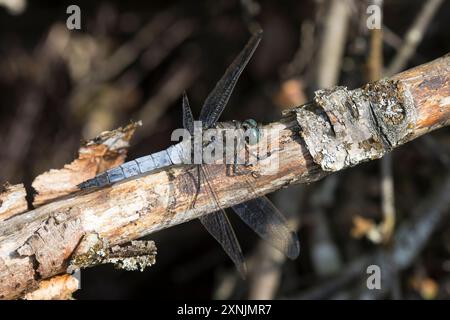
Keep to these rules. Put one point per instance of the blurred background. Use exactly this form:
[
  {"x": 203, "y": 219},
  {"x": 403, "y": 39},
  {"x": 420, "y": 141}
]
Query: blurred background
[{"x": 133, "y": 60}]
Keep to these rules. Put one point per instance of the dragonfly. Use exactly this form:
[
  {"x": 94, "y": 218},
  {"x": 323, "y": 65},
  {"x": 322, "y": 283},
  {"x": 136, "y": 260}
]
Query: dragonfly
[{"x": 259, "y": 213}]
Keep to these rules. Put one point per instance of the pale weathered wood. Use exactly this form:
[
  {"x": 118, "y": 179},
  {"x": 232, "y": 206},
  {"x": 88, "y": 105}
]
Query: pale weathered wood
[
  {"x": 12, "y": 200},
  {"x": 49, "y": 248},
  {"x": 56, "y": 288},
  {"x": 132, "y": 209}
]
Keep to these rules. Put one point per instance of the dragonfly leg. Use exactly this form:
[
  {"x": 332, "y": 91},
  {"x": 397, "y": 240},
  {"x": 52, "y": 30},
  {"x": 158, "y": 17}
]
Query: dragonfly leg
[
  {"x": 256, "y": 155},
  {"x": 228, "y": 170},
  {"x": 238, "y": 169},
  {"x": 235, "y": 158},
  {"x": 197, "y": 181}
]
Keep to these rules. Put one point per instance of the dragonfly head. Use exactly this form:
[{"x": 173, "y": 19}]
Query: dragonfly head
[{"x": 253, "y": 134}]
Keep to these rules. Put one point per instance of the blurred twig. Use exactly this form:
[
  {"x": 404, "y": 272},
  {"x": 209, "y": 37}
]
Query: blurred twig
[
  {"x": 325, "y": 256},
  {"x": 324, "y": 253},
  {"x": 128, "y": 52},
  {"x": 386, "y": 227},
  {"x": 413, "y": 36},
  {"x": 410, "y": 238},
  {"x": 181, "y": 76},
  {"x": 334, "y": 35},
  {"x": 266, "y": 263}
]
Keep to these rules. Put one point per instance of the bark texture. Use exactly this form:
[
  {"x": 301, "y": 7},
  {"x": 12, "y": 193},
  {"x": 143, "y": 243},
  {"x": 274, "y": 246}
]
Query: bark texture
[{"x": 343, "y": 128}]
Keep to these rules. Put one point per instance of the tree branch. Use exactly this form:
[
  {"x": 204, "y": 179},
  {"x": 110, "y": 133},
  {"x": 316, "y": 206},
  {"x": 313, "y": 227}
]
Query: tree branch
[{"x": 339, "y": 129}]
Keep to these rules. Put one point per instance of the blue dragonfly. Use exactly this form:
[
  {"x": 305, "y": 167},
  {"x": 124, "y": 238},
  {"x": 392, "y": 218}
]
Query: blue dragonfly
[{"x": 259, "y": 213}]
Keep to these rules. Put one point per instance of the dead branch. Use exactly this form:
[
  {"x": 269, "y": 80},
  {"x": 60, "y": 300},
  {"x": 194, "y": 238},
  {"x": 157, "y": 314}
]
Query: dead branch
[
  {"x": 335, "y": 33},
  {"x": 339, "y": 129}
]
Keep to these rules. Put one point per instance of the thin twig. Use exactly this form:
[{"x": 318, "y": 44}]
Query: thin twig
[
  {"x": 413, "y": 36},
  {"x": 335, "y": 33}
]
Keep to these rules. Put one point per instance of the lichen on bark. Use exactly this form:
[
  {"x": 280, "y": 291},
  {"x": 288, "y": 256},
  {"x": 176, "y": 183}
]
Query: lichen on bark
[
  {"x": 93, "y": 251},
  {"x": 342, "y": 128}
]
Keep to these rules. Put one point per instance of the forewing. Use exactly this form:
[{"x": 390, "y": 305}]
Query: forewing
[
  {"x": 218, "y": 98},
  {"x": 188, "y": 118}
]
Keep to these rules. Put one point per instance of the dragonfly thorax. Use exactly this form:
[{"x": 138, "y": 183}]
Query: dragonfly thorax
[{"x": 253, "y": 134}]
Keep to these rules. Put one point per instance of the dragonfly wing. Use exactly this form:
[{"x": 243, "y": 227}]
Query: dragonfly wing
[
  {"x": 220, "y": 228},
  {"x": 218, "y": 98},
  {"x": 268, "y": 222},
  {"x": 188, "y": 118}
]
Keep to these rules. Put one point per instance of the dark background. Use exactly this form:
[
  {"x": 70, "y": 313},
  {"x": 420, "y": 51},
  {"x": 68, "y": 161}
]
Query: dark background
[{"x": 53, "y": 94}]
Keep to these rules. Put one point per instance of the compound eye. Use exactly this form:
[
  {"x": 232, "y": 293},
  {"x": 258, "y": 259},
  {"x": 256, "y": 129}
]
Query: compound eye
[
  {"x": 250, "y": 123},
  {"x": 252, "y": 136}
]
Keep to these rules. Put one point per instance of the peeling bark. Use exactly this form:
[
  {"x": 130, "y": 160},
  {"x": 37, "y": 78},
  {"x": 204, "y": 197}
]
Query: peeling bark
[
  {"x": 17, "y": 277},
  {"x": 343, "y": 128},
  {"x": 12, "y": 200},
  {"x": 51, "y": 246},
  {"x": 106, "y": 151},
  {"x": 57, "y": 288},
  {"x": 93, "y": 251},
  {"x": 45, "y": 251}
]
